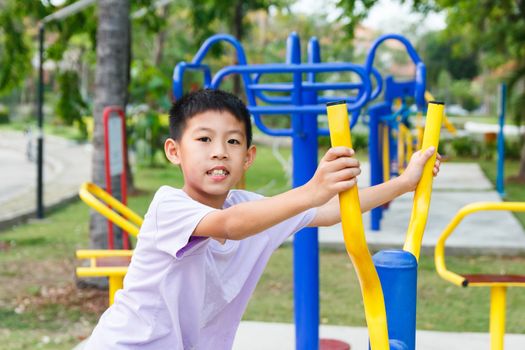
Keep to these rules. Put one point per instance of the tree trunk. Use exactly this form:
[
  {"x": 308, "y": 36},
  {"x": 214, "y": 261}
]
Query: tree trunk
[
  {"x": 160, "y": 39},
  {"x": 111, "y": 85}
]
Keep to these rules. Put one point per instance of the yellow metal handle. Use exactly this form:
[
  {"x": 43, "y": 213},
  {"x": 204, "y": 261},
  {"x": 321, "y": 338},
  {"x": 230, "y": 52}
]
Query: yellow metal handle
[
  {"x": 103, "y": 253},
  {"x": 418, "y": 219},
  {"x": 354, "y": 236},
  {"x": 446, "y": 122},
  {"x": 439, "y": 253},
  {"x": 101, "y": 201}
]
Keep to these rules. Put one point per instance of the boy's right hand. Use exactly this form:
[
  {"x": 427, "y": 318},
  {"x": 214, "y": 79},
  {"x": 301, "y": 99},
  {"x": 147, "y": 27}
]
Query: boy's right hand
[{"x": 336, "y": 173}]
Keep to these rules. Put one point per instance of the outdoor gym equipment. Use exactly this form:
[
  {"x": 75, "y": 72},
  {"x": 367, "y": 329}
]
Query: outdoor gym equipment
[
  {"x": 389, "y": 289},
  {"x": 388, "y": 128},
  {"x": 108, "y": 263},
  {"x": 302, "y": 99},
  {"x": 498, "y": 283}
]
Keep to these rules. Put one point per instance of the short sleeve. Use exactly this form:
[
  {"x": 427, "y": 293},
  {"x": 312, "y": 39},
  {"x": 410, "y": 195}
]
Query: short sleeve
[{"x": 177, "y": 215}]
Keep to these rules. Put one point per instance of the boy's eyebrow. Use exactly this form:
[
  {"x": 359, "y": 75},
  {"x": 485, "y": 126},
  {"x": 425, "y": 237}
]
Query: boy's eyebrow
[{"x": 233, "y": 131}]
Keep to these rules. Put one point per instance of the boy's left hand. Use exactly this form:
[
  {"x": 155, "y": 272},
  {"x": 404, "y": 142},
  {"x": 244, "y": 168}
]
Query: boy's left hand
[{"x": 414, "y": 169}]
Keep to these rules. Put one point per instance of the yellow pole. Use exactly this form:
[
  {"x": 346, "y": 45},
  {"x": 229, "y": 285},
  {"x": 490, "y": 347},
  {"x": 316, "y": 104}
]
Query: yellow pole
[
  {"x": 497, "y": 317},
  {"x": 419, "y": 122},
  {"x": 116, "y": 282},
  {"x": 418, "y": 219},
  {"x": 354, "y": 236},
  {"x": 401, "y": 138},
  {"x": 386, "y": 153}
]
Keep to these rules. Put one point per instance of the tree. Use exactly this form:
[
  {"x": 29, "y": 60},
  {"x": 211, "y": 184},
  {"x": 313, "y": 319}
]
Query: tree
[
  {"x": 206, "y": 12},
  {"x": 494, "y": 28},
  {"x": 111, "y": 82}
]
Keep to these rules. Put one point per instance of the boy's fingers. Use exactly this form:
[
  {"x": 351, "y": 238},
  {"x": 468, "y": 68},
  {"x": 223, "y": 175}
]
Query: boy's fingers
[
  {"x": 336, "y": 152},
  {"x": 425, "y": 155}
]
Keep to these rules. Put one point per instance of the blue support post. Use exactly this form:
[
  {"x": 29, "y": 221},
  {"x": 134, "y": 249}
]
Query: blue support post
[
  {"x": 500, "y": 177},
  {"x": 376, "y": 160},
  {"x": 306, "y": 251},
  {"x": 397, "y": 270}
]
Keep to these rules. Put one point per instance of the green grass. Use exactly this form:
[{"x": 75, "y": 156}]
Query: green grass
[
  {"x": 441, "y": 306},
  {"x": 513, "y": 191},
  {"x": 40, "y": 306}
]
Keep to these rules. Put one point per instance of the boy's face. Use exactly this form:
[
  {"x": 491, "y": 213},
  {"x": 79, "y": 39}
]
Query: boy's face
[{"x": 212, "y": 154}]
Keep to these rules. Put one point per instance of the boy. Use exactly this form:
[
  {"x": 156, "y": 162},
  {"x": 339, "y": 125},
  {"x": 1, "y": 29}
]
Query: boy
[{"x": 202, "y": 248}]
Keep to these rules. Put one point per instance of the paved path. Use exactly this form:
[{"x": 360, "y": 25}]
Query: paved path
[
  {"x": 280, "y": 336},
  {"x": 457, "y": 185},
  {"x": 67, "y": 165}
]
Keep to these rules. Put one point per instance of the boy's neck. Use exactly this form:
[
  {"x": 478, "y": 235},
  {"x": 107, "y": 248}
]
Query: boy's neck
[{"x": 216, "y": 202}]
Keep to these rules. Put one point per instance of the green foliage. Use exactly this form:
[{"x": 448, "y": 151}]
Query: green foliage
[
  {"x": 147, "y": 130},
  {"x": 465, "y": 146},
  {"x": 4, "y": 114},
  {"x": 513, "y": 148},
  {"x": 461, "y": 91},
  {"x": 436, "y": 51},
  {"x": 70, "y": 105},
  {"x": 15, "y": 52},
  {"x": 149, "y": 85}
]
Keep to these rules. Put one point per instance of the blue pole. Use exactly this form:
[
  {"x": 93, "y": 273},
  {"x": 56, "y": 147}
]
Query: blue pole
[
  {"x": 397, "y": 271},
  {"x": 306, "y": 252},
  {"x": 500, "y": 177}
]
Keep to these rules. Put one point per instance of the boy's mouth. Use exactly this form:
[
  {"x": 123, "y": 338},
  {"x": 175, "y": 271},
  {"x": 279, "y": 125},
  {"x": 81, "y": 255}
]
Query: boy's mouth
[{"x": 218, "y": 171}]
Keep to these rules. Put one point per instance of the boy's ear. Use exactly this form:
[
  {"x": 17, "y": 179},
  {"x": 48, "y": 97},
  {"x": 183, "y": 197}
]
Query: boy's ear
[
  {"x": 250, "y": 157},
  {"x": 172, "y": 151}
]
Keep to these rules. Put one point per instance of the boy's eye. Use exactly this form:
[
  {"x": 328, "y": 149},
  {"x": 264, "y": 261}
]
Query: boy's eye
[
  {"x": 234, "y": 142},
  {"x": 204, "y": 139}
]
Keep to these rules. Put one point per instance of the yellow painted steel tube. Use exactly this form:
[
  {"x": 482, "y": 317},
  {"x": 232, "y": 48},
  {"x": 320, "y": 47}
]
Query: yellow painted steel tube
[
  {"x": 498, "y": 296},
  {"x": 386, "y": 153},
  {"x": 419, "y": 122},
  {"x": 418, "y": 219},
  {"x": 401, "y": 149},
  {"x": 105, "y": 271},
  {"x": 115, "y": 283},
  {"x": 102, "y": 253},
  {"x": 354, "y": 236},
  {"x": 439, "y": 253},
  {"x": 409, "y": 142},
  {"x": 446, "y": 122},
  {"x": 101, "y": 201}
]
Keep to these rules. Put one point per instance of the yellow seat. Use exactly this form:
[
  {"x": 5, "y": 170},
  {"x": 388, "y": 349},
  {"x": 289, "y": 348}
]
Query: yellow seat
[
  {"x": 498, "y": 283},
  {"x": 108, "y": 263}
]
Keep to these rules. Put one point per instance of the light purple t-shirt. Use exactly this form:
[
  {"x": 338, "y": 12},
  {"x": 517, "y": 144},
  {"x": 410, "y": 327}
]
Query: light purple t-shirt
[{"x": 184, "y": 292}]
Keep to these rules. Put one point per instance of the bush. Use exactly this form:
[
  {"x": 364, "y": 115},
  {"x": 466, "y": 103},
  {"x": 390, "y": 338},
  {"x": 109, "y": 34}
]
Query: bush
[
  {"x": 359, "y": 142},
  {"x": 513, "y": 149},
  {"x": 466, "y": 146},
  {"x": 4, "y": 114}
]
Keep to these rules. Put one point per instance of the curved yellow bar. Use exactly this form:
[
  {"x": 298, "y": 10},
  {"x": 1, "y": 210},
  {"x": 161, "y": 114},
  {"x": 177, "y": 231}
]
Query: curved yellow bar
[
  {"x": 110, "y": 208},
  {"x": 386, "y": 153},
  {"x": 354, "y": 236},
  {"x": 439, "y": 254},
  {"x": 103, "y": 253},
  {"x": 446, "y": 122},
  {"x": 404, "y": 148},
  {"x": 418, "y": 219},
  {"x": 401, "y": 149},
  {"x": 419, "y": 128}
]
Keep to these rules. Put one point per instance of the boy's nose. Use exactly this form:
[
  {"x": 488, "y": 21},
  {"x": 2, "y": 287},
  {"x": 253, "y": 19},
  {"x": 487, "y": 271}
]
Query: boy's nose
[{"x": 219, "y": 152}]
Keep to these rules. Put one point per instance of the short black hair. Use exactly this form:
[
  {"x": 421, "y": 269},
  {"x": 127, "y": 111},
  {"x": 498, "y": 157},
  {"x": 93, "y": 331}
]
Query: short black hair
[{"x": 207, "y": 100}]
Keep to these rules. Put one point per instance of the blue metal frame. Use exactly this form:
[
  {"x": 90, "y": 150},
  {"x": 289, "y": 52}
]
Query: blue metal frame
[
  {"x": 500, "y": 177},
  {"x": 382, "y": 113}
]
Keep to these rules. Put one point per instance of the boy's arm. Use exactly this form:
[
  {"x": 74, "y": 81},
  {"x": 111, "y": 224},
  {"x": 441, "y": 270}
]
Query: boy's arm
[
  {"x": 336, "y": 173},
  {"x": 372, "y": 197}
]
